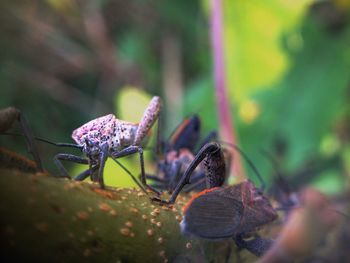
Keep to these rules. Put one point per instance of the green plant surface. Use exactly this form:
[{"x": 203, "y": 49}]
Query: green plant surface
[{"x": 49, "y": 219}]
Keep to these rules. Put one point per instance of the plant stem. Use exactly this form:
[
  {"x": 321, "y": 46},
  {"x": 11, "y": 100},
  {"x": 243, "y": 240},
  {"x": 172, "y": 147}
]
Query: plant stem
[{"x": 227, "y": 131}]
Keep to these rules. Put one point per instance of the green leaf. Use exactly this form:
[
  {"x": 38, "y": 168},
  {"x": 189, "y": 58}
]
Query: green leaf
[{"x": 255, "y": 57}]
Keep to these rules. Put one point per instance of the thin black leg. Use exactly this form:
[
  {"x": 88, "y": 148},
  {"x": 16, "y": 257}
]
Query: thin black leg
[
  {"x": 174, "y": 175},
  {"x": 156, "y": 178},
  {"x": 185, "y": 179},
  {"x": 250, "y": 163},
  {"x": 60, "y": 144},
  {"x": 85, "y": 174},
  {"x": 194, "y": 185},
  {"x": 159, "y": 183},
  {"x": 102, "y": 162},
  {"x": 131, "y": 150},
  {"x": 162, "y": 187},
  {"x": 67, "y": 157},
  {"x": 32, "y": 148},
  {"x": 131, "y": 175},
  {"x": 258, "y": 246}
]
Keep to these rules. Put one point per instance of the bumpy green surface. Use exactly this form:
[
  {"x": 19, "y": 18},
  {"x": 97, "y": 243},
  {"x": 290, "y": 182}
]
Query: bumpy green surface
[
  {"x": 48, "y": 219},
  {"x": 60, "y": 220}
]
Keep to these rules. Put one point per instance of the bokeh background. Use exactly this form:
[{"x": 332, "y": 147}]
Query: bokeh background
[{"x": 287, "y": 65}]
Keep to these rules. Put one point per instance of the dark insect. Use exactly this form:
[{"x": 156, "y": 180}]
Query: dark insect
[
  {"x": 280, "y": 189},
  {"x": 8, "y": 117},
  {"x": 106, "y": 137},
  {"x": 179, "y": 152},
  {"x": 224, "y": 212}
]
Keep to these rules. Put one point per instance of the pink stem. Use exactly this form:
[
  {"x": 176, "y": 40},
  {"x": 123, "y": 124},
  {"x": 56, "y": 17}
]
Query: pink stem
[{"x": 227, "y": 131}]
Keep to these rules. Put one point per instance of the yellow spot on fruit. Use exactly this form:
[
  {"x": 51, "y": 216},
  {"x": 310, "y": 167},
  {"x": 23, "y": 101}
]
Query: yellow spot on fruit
[
  {"x": 150, "y": 232},
  {"x": 125, "y": 231},
  {"x": 153, "y": 214},
  {"x": 83, "y": 215},
  {"x": 156, "y": 210},
  {"x": 104, "y": 207},
  {"x": 128, "y": 224},
  {"x": 113, "y": 212},
  {"x": 134, "y": 210}
]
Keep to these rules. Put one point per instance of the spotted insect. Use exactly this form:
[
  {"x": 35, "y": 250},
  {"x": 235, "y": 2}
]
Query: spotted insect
[
  {"x": 223, "y": 211},
  {"x": 8, "y": 117},
  {"x": 106, "y": 137}
]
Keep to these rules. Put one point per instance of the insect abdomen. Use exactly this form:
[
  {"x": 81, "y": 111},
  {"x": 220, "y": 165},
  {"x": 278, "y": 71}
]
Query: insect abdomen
[{"x": 215, "y": 167}]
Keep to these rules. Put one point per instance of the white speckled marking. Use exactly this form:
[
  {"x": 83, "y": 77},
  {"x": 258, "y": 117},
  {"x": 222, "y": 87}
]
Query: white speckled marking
[{"x": 117, "y": 133}]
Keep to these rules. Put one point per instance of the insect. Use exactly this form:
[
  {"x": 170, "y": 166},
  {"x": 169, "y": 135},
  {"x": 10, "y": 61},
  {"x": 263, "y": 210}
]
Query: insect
[
  {"x": 10, "y": 115},
  {"x": 106, "y": 137},
  {"x": 280, "y": 189},
  {"x": 178, "y": 154},
  {"x": 223, "y": 212}
]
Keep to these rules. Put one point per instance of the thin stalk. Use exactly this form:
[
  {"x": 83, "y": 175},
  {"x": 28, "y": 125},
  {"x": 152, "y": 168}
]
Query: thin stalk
[{"x": 226, "y": 127}]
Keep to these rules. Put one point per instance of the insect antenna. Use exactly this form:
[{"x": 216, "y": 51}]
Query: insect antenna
[
  {"x": 288, "y": 208},
  {"x": 275, "y": 164},
  {"x": 250, "y": 163},
  {"x": 58, "y": 144}
]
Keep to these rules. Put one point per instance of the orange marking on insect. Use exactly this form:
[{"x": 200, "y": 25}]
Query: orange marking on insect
[
  {"x": 186, "y": 206},
  {"x": 179, "y": 130}
]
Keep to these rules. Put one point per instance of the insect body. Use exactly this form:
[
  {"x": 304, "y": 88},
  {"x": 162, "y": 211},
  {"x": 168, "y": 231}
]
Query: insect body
[
  {"x": 8, "y": 117},
  {"x": 185, "y": 136},
  {"x": 179, "y": 152},
  {"x": 223, "y": 211},
  {"x": 108, "y": 136},
  {"x": 230, "y": 212}
]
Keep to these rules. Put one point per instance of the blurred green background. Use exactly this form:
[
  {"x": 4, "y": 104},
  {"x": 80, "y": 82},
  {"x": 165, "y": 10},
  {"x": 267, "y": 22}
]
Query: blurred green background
[{"x": 65, "y": 62}]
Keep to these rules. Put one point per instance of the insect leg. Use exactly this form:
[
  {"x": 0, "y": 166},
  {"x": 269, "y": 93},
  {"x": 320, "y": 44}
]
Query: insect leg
[
  {"x": 258, "y": 246},
  {"x": 32, "y": 148},
  {"x": 185, "y": 179},
  {"x": 194, "y": 185},
  {"x": 102, "y": 162},
  {"x": 155, "y": 178},
  {"x": 250, "y": 163},
  {"x": 67, "y": 157},
  {"x": 85, "y": 174},
  {"x": 175, "y": 173},
  {"x": 60, "y": 144},
  {"x": 131, "y": 175},
  {"x": 149, "y": 117},
  {"x": 158, "y": 183},
  {"x": 131, "y": 150},
  {"x": 7, "y": 117}
]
